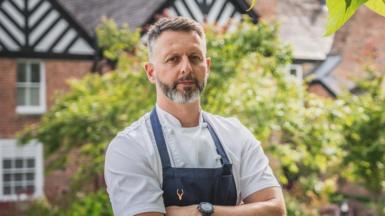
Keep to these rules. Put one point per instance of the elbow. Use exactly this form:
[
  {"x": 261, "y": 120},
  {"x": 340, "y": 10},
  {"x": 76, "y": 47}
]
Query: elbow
[
  {"x": 276, "y": 211},
  {"x": 279, "y": 208},
  {"x": 281, "y": 211}
]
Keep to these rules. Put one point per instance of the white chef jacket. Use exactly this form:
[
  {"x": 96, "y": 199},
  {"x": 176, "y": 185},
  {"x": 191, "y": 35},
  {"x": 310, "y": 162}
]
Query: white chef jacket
[{"x": 133, "y": 168}]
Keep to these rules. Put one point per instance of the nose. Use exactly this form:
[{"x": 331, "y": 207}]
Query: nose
[{"x": 185, "y": 67}]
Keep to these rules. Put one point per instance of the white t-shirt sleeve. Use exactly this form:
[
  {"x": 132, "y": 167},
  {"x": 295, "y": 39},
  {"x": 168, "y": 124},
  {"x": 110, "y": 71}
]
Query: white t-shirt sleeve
[
  {"x": 255, "y": 173},
  {"x": 132, "y": 183}
]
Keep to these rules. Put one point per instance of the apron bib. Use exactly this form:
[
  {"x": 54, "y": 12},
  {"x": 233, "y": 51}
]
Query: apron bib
[{"x": 188, "y": 186}]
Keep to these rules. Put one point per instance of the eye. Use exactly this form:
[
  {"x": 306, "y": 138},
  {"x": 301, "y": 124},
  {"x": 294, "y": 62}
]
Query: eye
[
  {"x": 172, "y": 59},
  {"x": 195, "y": 59}
]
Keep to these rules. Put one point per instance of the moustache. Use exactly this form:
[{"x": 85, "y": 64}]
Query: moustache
[{"x": 187, "y": 78}]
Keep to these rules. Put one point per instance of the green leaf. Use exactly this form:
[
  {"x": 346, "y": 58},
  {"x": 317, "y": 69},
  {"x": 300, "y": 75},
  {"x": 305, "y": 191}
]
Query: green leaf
[
  {"x": 377, "y": 6},
  {"x": 340, "y": 12}
]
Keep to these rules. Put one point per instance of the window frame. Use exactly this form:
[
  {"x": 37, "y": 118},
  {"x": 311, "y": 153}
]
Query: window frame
[
  {"x": 298, "y": 68},
  {"x": 9, "y": 149},
  {"x": 30, "y": 109}
]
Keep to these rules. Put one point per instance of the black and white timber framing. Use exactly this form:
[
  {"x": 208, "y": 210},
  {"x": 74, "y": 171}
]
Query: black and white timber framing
[
  {"x": 211, "y": 11},
  {"x": 41, "y": 29},
  {"x": 57, "y": 29}
]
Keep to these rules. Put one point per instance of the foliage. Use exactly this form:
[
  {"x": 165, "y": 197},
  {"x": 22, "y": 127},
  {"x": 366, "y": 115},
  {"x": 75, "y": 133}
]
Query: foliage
[
  {"x": 96, "y": 203},
  {"x": 225, "y": 49},
  {"x": 365, "y": 135},
  {"x": 295, "y": 208},
  {"x": 309, "y": 139},
  {"x": 377, "y": 6},
  {"x": 41, "y": 207},
  {"x": 114, "y": 40},
  {"x": 298, "y": 128},
  {"x": 341, "y": 11}
]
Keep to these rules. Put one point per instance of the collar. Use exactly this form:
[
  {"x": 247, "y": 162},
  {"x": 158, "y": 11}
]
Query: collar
[{"x": 171, "y": 121}]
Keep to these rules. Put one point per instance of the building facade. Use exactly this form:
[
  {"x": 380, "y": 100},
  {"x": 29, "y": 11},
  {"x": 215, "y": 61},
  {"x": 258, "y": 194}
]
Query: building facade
[{"x": 41, "y": 46}]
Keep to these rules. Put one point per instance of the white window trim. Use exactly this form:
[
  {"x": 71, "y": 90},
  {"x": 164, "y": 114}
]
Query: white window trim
[
  {"x": 10, "y": 149},
  {"x": 34, "y": 110},
  {"x": 298, "y": 70}
]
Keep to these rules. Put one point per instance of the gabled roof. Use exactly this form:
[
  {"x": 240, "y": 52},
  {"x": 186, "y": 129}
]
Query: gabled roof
[
  {"x": 303, "y": 26},
  {"x": 138, "y": 13},
  {"x": 211, "y": 11},
  {"x": 67, "y": 26},
  {"x": 41, "y": 29},
  {"x": 89, "y": 12},
  {"x": 324, "y": 76}
]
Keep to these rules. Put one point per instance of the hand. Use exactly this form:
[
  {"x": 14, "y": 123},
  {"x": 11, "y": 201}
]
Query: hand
[{"x": 190, "y": 210}]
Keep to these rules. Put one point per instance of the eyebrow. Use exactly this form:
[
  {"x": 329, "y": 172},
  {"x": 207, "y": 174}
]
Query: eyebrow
[{"x": 195, "y": 51}]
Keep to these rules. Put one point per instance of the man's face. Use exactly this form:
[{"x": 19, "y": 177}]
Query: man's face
[{"x": 179, "y": 66}]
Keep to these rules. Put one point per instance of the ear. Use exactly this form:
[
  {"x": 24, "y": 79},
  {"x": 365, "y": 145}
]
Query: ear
[
  {"x": 208, "y": 62},
  {"x": 150, "y": 72}
]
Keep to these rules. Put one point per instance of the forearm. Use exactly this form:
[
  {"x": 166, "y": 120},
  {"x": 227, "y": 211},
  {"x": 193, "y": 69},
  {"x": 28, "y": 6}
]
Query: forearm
[
  {"x": 271, "y": 207},
  {"x": 268, "y": 208}
]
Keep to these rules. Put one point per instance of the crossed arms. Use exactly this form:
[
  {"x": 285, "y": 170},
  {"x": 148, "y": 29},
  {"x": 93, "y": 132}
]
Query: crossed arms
[{"x": 267, "y": 202}]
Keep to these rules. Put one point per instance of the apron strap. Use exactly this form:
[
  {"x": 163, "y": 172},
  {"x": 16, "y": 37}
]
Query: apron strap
[
  {"x": 218, "y": 144},
  {"x": 159, "y": 139},
  {"x": 162, "y": 147}
]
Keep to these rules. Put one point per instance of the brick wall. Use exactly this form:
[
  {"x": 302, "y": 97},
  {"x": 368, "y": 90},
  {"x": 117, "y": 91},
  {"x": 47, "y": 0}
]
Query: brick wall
[
  {"x": 320, "y": 90},
  {"x": 59, "y": 72},
  {"x": 266, "y": 9},
  {"x": 56, "y": 72}
]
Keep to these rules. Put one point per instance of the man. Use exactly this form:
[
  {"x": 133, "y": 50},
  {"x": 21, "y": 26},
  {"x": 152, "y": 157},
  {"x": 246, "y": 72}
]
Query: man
[{"x": 178, "y": 159}]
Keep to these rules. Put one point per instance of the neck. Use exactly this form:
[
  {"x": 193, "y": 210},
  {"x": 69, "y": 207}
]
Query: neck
[{"x": 187, "y": 114}]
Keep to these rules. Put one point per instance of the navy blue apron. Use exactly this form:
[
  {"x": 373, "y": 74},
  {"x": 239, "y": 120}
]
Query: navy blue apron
[{"x": 188, "y": 186}]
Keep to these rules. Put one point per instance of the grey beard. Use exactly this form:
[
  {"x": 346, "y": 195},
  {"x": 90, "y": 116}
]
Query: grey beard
[{"x": 187, "y": 96}]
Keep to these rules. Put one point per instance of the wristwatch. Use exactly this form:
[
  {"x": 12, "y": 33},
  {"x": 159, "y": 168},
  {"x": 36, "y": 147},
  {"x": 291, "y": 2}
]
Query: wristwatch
[{"x": 206, "y": 208}]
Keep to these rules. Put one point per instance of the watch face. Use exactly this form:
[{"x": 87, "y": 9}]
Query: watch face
[{"x": 206, "y": 207}]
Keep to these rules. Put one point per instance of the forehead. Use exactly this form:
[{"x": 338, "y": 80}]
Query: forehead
[{"x": 169, "y": 41}]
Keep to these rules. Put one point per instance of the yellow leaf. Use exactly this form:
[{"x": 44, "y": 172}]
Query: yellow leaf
[
  {"x": 252, "y": 5},
  {"x": 340, "y": 12},
  {"x": 377, "y": 6}
]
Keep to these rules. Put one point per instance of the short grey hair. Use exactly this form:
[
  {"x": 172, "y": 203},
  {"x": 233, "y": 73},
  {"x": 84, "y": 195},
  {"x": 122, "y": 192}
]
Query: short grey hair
[{"x": 182, "y": 24}]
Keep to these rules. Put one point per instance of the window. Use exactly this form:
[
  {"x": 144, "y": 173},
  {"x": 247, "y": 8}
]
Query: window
[
  {"x": 323, "y": 5},
  {"x": 18, "y": 176},
  {"x": 296, "y": 70},
  {"x": 21, "y": 171},
  {"x": 30, "y": 83}
]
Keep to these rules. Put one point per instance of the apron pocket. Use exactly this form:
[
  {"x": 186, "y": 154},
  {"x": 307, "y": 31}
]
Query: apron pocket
[{"x": 224, "y": 191}]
